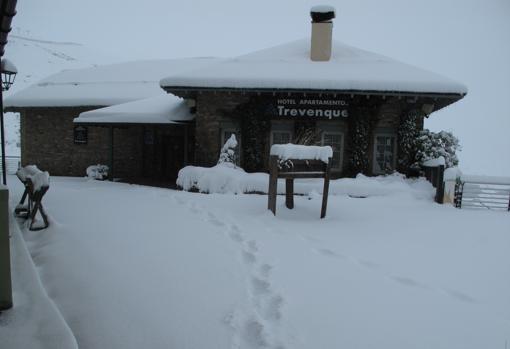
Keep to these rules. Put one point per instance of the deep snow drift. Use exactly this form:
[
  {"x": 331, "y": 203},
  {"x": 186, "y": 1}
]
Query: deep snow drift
[{"x": 140, "y": 267}]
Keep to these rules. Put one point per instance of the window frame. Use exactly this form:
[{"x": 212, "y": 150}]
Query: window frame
[
  {"x": 273, "y": 131},
  {"x": 342, "y": 149},
  {"x": 374, "y": 157}
]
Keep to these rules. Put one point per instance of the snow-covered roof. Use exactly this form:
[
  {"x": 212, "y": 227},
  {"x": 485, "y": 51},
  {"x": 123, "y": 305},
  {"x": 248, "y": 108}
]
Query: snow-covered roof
[
  {"x": 289, "y": 66},
  {"x": 103, "y": 85},
  {"x": 161, "y": 109}
]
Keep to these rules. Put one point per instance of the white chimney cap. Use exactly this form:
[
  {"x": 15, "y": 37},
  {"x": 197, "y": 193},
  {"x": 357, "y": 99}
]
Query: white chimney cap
[
  {"x": 322, "y": 9},
  {"x": 322, "y": 13}
]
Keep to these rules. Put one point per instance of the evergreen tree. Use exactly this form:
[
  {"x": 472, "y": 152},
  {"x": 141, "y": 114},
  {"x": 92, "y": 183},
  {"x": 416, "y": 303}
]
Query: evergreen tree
[{"x": 227, "y": 154}]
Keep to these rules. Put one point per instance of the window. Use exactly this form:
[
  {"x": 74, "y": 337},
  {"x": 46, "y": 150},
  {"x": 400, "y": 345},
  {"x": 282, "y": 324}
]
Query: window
[
  {"x": 225, "y": 135},
  {"x": 384, "y": 153},
  {"x": 335, "y": 141},
  {"x": 280, "y": 137}
]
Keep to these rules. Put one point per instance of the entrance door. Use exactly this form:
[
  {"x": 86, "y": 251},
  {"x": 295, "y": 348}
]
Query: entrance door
[
  {"x": 384, "y": 153},
  {"x": 172, "y": 155}
]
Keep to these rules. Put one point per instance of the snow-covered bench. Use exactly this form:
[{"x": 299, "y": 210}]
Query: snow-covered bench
[
  {"x": 36, "y": 184},
  {"x": 291, "y": 161}
]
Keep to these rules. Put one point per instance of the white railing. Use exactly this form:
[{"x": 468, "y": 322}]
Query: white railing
[
  {"x": 483, "y": 192},
  {"x": 12, "y": 163}
]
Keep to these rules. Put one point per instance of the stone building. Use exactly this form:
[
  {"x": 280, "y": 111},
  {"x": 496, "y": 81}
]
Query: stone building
[
  {"x": 50, "y": 138},
  {"x": 316, "y": 91}
]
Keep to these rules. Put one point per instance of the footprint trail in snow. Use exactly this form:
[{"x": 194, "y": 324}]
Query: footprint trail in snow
[{"x": 257, "y": 325}]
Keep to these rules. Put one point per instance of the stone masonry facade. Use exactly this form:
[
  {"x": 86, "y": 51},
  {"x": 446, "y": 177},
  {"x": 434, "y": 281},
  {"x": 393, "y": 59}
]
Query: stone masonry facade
[{"x": 214, "y": 110}]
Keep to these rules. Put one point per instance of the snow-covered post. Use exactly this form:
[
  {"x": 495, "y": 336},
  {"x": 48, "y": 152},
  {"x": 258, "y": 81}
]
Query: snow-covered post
[
  {"x": 292, "y": 161},
  {"x": 5, "y": 255}
]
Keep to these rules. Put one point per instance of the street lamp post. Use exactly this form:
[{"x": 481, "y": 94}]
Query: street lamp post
[
  {"x": 7, "y": 12},
  {"x": 8, "y": 72}
]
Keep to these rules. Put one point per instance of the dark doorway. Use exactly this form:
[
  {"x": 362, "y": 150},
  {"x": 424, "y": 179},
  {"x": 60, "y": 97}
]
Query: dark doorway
[{"x": 172, "y": 155}]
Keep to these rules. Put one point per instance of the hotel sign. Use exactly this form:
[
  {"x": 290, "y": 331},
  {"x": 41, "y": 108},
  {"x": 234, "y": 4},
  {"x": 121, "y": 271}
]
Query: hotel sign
[{"x": 310, "y": 108}]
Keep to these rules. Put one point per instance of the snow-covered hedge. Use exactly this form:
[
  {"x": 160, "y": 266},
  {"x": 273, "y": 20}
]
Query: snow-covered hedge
[
  {"x": 222, "y": 178},
  {"x": 228, "y": 180}
]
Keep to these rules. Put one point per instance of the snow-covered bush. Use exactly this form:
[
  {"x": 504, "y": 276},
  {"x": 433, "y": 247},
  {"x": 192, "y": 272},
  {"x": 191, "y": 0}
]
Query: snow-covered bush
[
  {"x": 228, "y": 154},
  {"x": 97, "y": 172},
  {"x": 431, "y": 145},
  {"x": 360, "y": 130},
  {"x": 408, "y": 134}
]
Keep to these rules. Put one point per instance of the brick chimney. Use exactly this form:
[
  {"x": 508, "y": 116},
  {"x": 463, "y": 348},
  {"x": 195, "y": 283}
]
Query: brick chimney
[{"x": 322, "y": 32}]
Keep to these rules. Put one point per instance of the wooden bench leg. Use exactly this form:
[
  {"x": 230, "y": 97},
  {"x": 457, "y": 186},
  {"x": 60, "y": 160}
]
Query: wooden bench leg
[
  {"x": 24, "y": 196},
  {"x": 289, "y": 193},
  {"x": 22, "y": 209},
  {"x": 38, "y": 207}
]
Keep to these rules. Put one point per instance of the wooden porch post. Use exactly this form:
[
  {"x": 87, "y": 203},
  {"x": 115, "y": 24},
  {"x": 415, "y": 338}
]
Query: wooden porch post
[
  {"x": 111, "y": 153},
  {"x": 186, "y": 141}
]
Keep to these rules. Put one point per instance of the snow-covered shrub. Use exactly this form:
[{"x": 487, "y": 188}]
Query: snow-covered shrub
[
  {"x": 432, "y": 145},
  {"x": 408, "y": 134},
  {"x": 228, "y": 154},
  {"x": 360, "y": 130},
  {"x": 97, "y": 172}
]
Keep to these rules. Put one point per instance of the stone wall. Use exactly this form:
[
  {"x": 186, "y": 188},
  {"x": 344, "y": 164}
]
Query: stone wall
[
  {"x": 47, "y": 140},
  {"x": 215, "y": 110}
]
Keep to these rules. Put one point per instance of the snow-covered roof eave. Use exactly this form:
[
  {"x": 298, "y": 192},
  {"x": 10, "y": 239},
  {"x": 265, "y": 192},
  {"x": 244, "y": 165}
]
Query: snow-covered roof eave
[
  {"x": 98, "y": 122},
  {"x": 454, "y": 94},
  {"x": 157, "y": 110}
]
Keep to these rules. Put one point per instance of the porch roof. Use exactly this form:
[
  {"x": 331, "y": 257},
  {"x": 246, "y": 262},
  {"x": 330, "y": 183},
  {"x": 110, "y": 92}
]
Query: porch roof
[{"x": 161, "y": 109}]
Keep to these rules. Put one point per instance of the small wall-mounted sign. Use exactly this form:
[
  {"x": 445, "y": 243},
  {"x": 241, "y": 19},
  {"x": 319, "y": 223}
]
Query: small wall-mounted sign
[
  {"x": 81, "y": 135},
  {"x": 310, "y": 108}
]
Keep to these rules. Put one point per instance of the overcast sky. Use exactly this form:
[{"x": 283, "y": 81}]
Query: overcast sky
[{"x": 467, "y": 40}]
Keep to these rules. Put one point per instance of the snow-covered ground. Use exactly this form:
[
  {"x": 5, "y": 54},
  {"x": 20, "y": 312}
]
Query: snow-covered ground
[
  {"x": 34, "y": 322},
  {"x": 139, "y": 267}
]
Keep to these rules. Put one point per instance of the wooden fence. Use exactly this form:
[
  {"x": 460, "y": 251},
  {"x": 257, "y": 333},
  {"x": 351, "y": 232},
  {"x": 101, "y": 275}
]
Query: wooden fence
[{"x": 435, "y": 175}]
